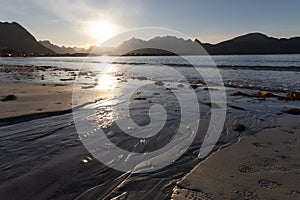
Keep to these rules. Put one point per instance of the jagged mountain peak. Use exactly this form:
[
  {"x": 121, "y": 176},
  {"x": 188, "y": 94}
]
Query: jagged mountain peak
[{"x": 15, "y": 37}]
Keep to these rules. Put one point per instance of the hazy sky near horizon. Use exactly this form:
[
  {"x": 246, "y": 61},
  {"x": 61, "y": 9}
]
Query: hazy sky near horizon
[{"x": 74, "y": 22}]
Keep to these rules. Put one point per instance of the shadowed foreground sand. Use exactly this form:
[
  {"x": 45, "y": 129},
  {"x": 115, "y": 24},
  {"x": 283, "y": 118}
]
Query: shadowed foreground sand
[{"x": 262, "y": 166}]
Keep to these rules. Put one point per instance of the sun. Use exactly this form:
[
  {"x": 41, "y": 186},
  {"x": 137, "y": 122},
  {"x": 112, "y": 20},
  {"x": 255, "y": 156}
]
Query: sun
[{"x": 102, "y": 30}]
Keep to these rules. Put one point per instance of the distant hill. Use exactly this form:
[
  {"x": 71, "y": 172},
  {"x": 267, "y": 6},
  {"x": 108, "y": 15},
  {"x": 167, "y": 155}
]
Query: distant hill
[
  {"x": 149, "y": 52},
  {"x": 17, "y": 40},
  {"x": 65, "y": 50},
  {"x": 56, "y": 48},
  {"x": 255, "y": 43},
  {"x": 161, "y": 44}
]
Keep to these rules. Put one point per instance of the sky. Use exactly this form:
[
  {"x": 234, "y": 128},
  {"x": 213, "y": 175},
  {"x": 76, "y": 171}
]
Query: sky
[{"x": 88, "y": 22}]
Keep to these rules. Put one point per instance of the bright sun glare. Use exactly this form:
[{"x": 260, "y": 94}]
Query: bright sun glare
[{"x": 103, "y": 30}]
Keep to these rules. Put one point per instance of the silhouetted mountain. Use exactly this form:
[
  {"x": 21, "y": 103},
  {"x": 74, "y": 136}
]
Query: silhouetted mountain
[
  {"x": 56, "y": 48},
  {"x": 82, "y": 50},
  {"x": 159, "y": 46},
  {"x": 255, "y": 43},
  {"x": 17, "y": 40},
  {"x": 75, "y": 50},
  {"x": 149, "y": 52}
]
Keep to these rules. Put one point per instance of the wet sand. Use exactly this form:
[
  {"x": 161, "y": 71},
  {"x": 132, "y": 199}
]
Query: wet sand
[
  {"x": 34, "y": 98},
  {"x": 262, "y": 166},
  {"x": 42, "y": 156},
  {"x": 38, "y": 165}
]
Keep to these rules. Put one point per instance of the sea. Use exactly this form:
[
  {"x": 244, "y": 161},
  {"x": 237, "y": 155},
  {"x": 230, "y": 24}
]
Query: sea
[{"x": 269, "y": 72}]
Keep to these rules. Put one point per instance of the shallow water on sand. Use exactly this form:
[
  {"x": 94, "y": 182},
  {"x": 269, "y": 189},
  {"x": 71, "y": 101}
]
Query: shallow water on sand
[{"x": 48, "y": 154}]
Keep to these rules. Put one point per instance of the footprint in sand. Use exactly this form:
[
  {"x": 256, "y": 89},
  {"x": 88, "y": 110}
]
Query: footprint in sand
[
  {"x": 248, "y": 169},
  {"x": 262, "y": 144},
  {"x": 190, "y": 194},
  {"x": 267, "y": 162},
  {"x": 268, "y": 185},
  {"x": 283, "y": 157},
  {"x": 245, "y": 194},
  {"x": 262, "y": 164},
  {"x": 184, "y": 191},
  {"x": 295, "y": 193},
  {"x": 291, "y": 142},
  {"x": 288, "y": 131}
]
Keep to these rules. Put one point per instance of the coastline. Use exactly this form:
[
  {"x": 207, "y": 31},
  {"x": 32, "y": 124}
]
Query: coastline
[{"x": 259, "y": 166}]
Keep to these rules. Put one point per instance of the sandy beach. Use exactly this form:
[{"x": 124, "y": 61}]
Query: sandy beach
[
  {"x": 262, "y": 166},
  {"x": 34, "y": 98}
]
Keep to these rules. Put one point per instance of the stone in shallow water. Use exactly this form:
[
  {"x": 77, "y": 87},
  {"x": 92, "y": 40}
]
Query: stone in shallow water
[
  {"x": 261, "y": 94},
  {"x": 294, "y": 111},
  {"x": 239, "y": 93},
  {"x": 295, "y": 96},
  {"x": 159, "y": 83},
  {"x": 140, "y": 98},
  {"x": 239, "y": 127},
  {"x": 194, "y": 86}
]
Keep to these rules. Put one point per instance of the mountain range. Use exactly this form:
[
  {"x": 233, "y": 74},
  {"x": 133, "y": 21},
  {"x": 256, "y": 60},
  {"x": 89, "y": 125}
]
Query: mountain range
[{"x": 15, "y": 40}]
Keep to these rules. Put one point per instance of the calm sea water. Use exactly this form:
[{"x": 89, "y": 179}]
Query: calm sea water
[
  {"x": 265, "y": 72},
  {"x": 226, "y": 60}
]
